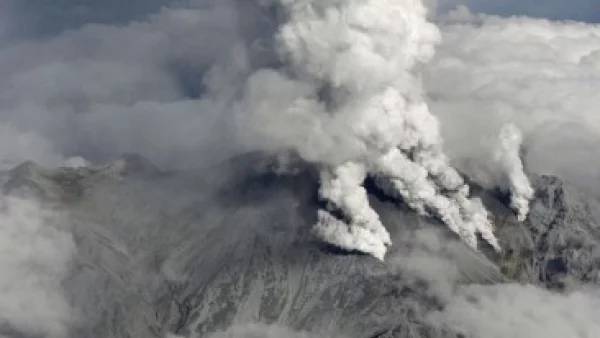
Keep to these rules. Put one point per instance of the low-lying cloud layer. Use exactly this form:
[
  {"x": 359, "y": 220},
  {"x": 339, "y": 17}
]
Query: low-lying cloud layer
[
  {"x": 521, "y": 312},
  {"x": 492, "y": 311},
  {"x": 35, "y": 251}
]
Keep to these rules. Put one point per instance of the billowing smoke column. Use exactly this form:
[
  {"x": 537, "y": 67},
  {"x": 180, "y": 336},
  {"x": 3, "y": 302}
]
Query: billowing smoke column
[
  {"x": 360, "y": 229},
  {"x": 349, "y": 99},
  {"x": 507, "y": 156}
]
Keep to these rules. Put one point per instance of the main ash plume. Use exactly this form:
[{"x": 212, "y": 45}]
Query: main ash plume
[{"x": 348, "y": 97}]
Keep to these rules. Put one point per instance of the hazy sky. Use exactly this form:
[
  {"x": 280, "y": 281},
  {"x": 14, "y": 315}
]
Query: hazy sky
[
  {"x": 581, "y": 10},
  {"x": 46, "y": 18},
  {"x": 58, "y": 15}
]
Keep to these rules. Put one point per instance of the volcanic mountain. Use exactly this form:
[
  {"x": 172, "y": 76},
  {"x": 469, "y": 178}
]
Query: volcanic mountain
[{"x": 230, "y": 247}]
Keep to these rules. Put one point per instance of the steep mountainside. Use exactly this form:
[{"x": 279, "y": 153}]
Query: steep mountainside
[{"x": 200, "y": 251}]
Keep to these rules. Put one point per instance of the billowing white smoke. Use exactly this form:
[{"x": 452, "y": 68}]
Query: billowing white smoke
[
  {"x": 521, "y": 311},
  {"x": 35, "y": 253},
  {"x": 361, "y": 230},
  {"x": 350, "y": 100},
  {"x": 507, "y": 156}
]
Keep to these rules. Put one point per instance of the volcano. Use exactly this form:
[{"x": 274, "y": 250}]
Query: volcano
[{"x": 230, "y": 247}]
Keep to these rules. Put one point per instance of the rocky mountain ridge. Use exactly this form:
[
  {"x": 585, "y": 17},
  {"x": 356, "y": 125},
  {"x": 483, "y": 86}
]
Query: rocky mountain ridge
[{"x": 194, "y": 252}]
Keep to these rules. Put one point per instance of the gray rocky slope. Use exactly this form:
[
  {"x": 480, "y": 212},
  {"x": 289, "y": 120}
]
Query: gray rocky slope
[{"x": 194, "y": 252}]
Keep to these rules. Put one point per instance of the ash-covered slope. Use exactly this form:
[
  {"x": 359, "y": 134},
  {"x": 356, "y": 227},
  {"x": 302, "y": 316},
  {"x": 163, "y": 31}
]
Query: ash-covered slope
[
  {"x": 200, "y": 251},
  {"x": 558, "y": 246}
]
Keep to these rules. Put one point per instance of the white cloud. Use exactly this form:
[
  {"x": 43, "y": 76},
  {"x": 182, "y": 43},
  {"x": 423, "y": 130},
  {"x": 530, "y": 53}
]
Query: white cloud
[
  {"x": 35, "y": 251},
  {"x": 490, "y": 310},
  {"x": 541, "y": 75},
  {"x": 522, "y": 312}
]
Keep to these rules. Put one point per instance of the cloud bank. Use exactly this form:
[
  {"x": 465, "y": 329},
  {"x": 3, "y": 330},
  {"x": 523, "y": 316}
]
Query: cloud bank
[
  {"x": 539, "y": 75},
  {"x": 521, "y": 312},
  {"x": 101, "y": 90},
  {"x": 491, "y": 310},
  {"x": 35, "y": 250}
]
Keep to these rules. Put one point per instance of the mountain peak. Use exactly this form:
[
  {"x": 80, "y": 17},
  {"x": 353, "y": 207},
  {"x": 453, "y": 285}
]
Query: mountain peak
[{"x": 129, "y": 164}]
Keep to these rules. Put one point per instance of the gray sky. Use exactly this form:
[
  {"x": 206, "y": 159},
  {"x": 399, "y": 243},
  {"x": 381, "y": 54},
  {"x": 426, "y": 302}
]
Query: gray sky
[
  {"x": 45, "y": 18},
  {"x": 58, "y": 15},
  {"x": 580, "y": 10}
]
